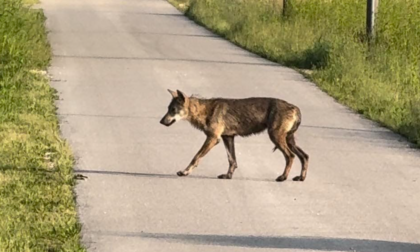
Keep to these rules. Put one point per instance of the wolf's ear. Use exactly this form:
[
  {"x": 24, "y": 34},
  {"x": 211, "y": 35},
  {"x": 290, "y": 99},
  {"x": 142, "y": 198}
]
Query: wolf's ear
[
  {"x": 173, "y": 93},
  {"x": 181, "y": 95}
]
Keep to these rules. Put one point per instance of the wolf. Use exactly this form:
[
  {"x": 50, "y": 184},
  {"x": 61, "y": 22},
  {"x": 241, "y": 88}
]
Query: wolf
[{"x": 222, "y": 118}]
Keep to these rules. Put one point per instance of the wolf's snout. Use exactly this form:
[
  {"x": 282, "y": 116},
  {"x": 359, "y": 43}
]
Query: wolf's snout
[
  {"x": 167, "y": 121},
  {"x": 162, "y": 121}
]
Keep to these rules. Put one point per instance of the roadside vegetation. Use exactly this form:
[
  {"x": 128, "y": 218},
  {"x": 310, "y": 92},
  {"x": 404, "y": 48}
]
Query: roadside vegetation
[
  {"x": 325, "y": 39},
  {"x": 37, "y": 208}
]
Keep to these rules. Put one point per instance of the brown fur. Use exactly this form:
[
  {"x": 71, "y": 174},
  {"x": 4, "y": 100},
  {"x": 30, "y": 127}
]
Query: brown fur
[{"x": 227, "y": 118}]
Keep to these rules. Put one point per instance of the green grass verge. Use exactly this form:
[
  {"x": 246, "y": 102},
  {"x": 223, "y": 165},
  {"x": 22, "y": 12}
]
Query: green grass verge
[
  {"x": 327, "y": 37},
  {"x": 37, "y": 208}
]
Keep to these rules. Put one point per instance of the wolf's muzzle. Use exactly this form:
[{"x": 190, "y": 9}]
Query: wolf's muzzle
[{"x": 167, "y": 122}]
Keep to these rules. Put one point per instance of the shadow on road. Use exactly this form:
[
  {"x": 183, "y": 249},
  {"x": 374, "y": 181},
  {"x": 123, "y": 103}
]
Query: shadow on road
[
  {"x": 179, "y": 35},
  {"x": 156, "y": 175},
  {"x": 127, "y": 173},
  {"x": 92, "y": 57},
  {"x": 304, "y": 243},
  {"x": 377, "y": 137}
]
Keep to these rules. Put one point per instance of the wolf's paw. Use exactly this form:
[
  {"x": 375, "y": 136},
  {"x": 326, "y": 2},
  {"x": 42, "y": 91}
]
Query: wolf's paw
[
  {"x": 181, "y": 174},
  {"x": 298, "y": 178},
  {"x": 281, "y": 178},
  {"x": 225, "y": 176}
]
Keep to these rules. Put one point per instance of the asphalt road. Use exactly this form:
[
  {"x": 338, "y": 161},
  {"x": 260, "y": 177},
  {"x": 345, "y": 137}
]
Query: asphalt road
[{"x": 113, "y": 62}]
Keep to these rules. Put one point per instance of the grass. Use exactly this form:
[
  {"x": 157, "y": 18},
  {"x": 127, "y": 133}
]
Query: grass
[
  {"x": 37, "y": 210},
  {"x": 382, "y": 81}
]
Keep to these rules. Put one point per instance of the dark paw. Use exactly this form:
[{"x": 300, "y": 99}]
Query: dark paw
[
  {"x": 181, "y": 174},
  {"x": 298, "y": 178},
  {"x": 225, "y": 176},
  {"x": 281, "y": 178}
]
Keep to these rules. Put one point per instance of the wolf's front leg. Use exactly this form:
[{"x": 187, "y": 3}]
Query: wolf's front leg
[
  {"x": 230, "y": 150},
  {"x": 210, "y": 142}
]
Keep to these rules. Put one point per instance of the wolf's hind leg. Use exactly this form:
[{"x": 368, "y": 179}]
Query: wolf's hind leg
[
  {"x": 279, "y": 140},
  {"x": 303, "y": 157}
]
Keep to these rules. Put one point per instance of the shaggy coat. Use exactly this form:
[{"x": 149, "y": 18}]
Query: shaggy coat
[{"x": 225, "y": 119}]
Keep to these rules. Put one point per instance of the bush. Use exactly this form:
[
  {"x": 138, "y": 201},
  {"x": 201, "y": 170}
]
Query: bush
[
  {"x": 37, "y": 210},
  {"x": 328, "y": 37}
]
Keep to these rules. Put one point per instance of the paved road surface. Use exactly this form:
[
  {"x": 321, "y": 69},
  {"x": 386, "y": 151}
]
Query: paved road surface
[{"x": 114, "y": 60}]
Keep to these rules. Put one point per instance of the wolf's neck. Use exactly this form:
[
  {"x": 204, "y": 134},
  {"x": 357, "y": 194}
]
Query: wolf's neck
[{"x": 198, "y": 112}]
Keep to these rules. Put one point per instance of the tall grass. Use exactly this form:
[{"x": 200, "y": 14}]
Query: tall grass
[
  {"x": 328, "y": 37},
  {"x": 37, "y": 209}
]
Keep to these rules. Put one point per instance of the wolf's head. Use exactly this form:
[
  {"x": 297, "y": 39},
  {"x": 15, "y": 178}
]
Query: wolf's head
[{"x": 177, "y": 109}]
